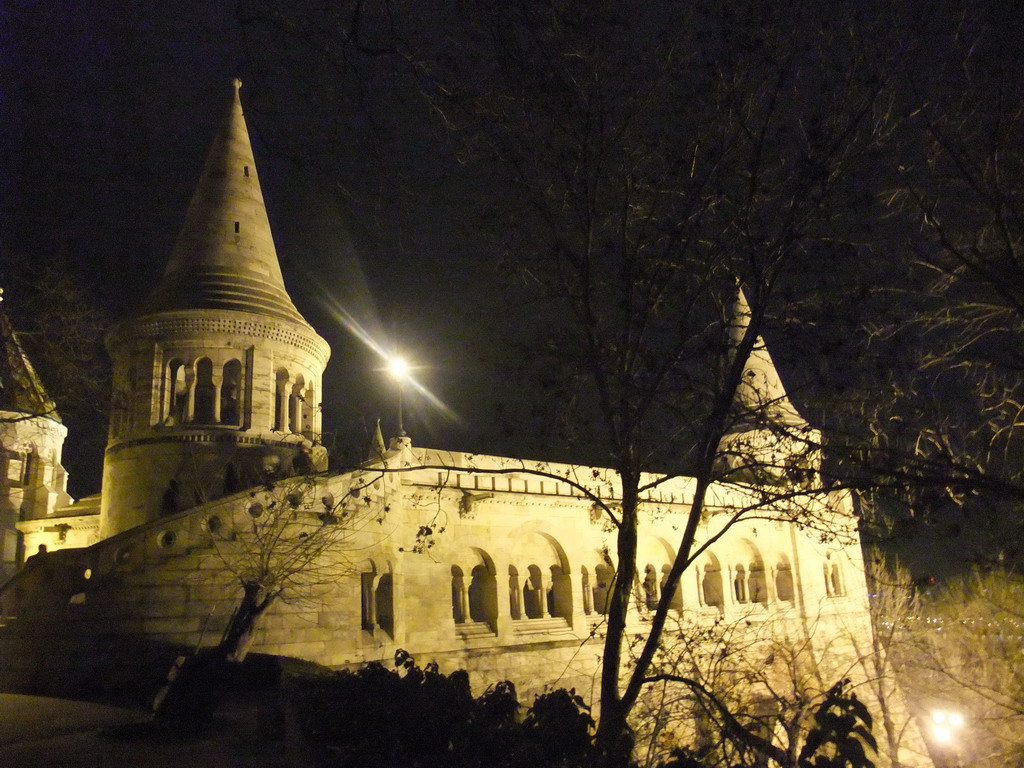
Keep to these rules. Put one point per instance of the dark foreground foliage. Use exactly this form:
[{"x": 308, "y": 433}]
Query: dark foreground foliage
[
  {"x": 420, "y": 718},
  {"x": 412, "y": 716}
]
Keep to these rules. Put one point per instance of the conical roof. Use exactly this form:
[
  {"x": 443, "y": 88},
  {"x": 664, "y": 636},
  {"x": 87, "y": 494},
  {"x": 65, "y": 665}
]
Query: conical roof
[
  {"x": 21, "y": 389},
  {"x": 224, "y": 257},
  {"x": 761, "y": 394}
]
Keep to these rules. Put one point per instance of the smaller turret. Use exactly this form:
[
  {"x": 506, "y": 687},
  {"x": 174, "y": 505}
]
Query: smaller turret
[
  {"x": 769, "y": 440},
  {"x": 33, "y": 484}
]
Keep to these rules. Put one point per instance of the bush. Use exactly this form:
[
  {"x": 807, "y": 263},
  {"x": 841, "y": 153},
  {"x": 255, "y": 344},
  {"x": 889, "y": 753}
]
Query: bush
[{"x": 420, "y": 718}]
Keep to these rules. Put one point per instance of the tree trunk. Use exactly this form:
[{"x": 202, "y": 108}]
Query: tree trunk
[
  {"x": 614, "y": 735},
  {"x": 196, "y": 687},
  {"x": 238, "y": 635}
]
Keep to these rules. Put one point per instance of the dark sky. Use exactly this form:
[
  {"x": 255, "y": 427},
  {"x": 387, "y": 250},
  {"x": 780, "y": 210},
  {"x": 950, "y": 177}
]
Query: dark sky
[{"x": 105, "y": 118}]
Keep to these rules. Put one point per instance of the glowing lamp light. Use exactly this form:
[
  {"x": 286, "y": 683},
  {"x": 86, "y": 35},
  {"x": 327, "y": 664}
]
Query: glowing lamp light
[
  {"x": 945, "y": 725},
  {"x": 398, "y": 367}
]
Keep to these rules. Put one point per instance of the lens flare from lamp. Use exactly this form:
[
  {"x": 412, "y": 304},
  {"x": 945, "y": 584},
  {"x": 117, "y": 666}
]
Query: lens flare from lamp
[{"x": 398, "y": 367}]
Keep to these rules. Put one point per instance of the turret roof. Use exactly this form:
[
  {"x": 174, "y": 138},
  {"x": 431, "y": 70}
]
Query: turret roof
[
  {"x": 761, "y": 393},
  {"x": 21, "y": 389},
  {"x": 224, "y": 257}
]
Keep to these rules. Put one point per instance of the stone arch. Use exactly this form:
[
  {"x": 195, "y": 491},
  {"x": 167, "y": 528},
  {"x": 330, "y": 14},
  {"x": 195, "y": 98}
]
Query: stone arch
[
  {"x": 784, "y": 590},
  {"x": 750, "y": 585},
  {"x": 649, "y": 587},
  {"x": 739, "y": 584},
  {"x": 604, "y": 579},
  {"x": 176, "y": 388},
  {"x": 482, "y": 590},
  {"x": 658, "y": 555},
  {"x": 231, "y": 393},
  {"x": 296, "y": 404},
  {"x": 460, "y": 601},
  {"x": 585, "y": 588},
  {"x": 307, "y": 425},
  {"x": 384, "y": 602},
  {"x": 280, "y": 399},
  {"x": 515, "y": 600},
  {"x": 377, "y": 598},
  {"x": 204, "y": 393},
  {"x": 676, "y": 602},
  {"x": 835, "y": 585},
  {"x": 545, "y": 586},
  {"x": 711, "y": 591},
  {"x": 534, "y": 602}
]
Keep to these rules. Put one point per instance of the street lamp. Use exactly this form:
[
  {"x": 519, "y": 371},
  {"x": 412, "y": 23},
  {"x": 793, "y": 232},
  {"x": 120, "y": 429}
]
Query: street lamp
[
  {"x": 399, "y": 369},
  {"x": 945, "y": 728}
]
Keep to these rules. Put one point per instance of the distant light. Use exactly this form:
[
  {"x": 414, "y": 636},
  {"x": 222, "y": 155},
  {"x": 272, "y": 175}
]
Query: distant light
[
  {"x": 939, "y": 716},
  {"x": 956, "y": 719},
  {"x": 398, "y": 367},
  {"x": 942, "y": 734}
]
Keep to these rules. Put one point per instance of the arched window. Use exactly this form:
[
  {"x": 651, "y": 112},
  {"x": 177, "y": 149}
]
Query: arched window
[
  {"x": 230, "y": 390},
  {"x": 367, "y": 603},
  {"x": 515, "y": 603},
  {"x": 533, "y": 594},
  {"x": 603, "y": 577},
  {"x": 177, "y": 392},
  {"x": 384, "y": 601},
  {"x": 280, "y": 400},
  {"x": 650, "y": 588},
  {"x": 560, "y": 594},
  {"x": 711, "y": 585},
  {"x": 459, "y": 606},
  {"x": 296, "y": 405},
  {"x": 205, "y": 391},
  {"x": 833, "y": 580},
  {"x": 308, "y": 413},
  {"x": 588, "y": 596},
  {"x": 757, "y": 584},
  {"x": 483, "y": 596},
  {"x": 676, "y": 603},
  {"x": 784, "y": 581},
  {"x": 739, "y": 584}
]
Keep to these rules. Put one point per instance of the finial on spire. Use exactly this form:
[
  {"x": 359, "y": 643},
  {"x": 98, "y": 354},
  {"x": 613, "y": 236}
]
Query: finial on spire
[{"x": 237, "y": 83}]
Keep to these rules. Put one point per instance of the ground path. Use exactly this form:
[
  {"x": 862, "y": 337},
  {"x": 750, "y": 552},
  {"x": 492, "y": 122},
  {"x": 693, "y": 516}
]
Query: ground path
[{"x": 40, "y": 732}]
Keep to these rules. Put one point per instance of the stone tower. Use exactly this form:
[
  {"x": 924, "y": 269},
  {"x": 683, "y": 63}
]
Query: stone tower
[
  {"x": 217, "y": 377},
  {"x": 33, "y": 482}
]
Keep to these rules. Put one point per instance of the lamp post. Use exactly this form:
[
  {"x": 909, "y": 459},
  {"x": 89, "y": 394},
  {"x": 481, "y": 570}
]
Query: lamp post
[{"x": 399, "y": 369}]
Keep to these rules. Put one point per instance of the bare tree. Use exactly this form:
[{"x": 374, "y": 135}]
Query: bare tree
[
  {"x": 290, "y": 541},
  {"x": 286, "y": 541},
  {"x": 941, "y": 340},
  {"x": 749, "y": 691},
  {"x": 651, "y": 168}
]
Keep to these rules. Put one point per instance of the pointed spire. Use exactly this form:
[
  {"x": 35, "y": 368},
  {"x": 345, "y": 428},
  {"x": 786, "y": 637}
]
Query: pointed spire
[
  {"x": 224, "y": 257},
  {"x": 761, "y": 391},
  {"x": 21, "y": 389},
  {"x": 377, "y": 446}
]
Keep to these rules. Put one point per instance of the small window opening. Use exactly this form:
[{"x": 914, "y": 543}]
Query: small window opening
[
  {"x": 237, "y": 228},
  {"x": 245, "y": 170}
]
